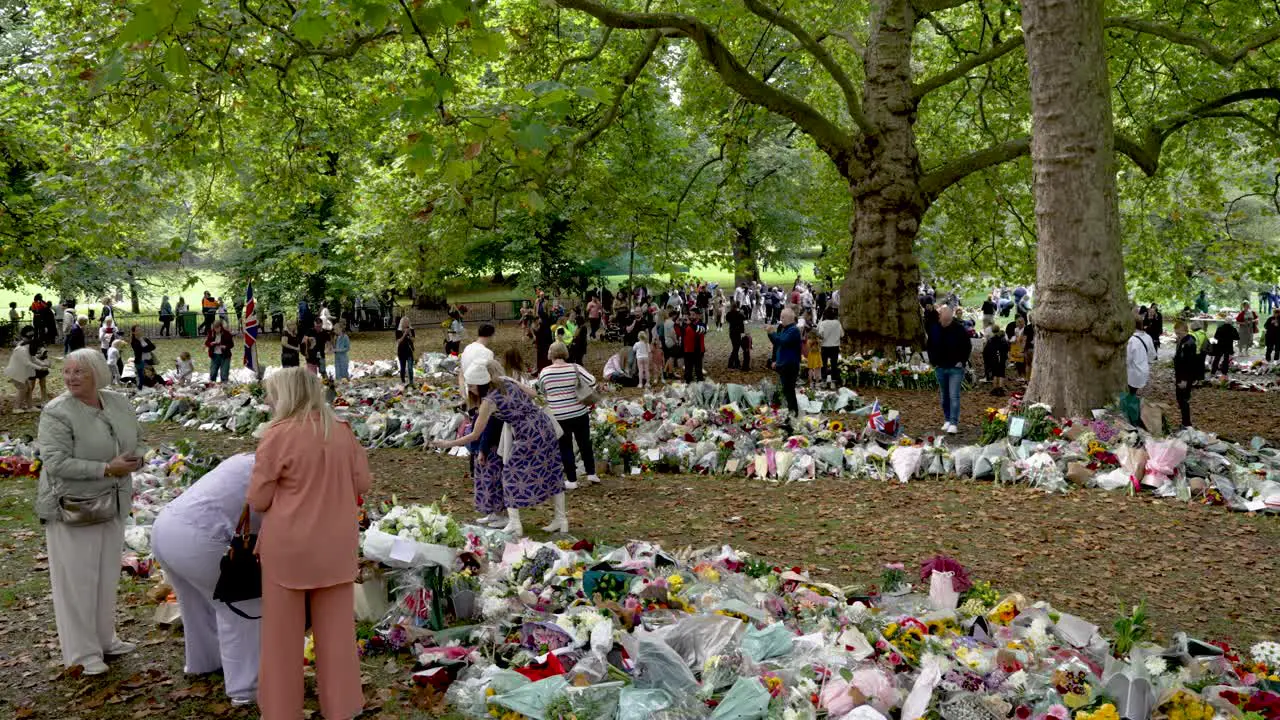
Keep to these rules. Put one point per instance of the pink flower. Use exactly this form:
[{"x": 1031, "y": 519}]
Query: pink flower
[
  {"x": 1058, "y": 712},
  {"x": 895, "y": 566}
]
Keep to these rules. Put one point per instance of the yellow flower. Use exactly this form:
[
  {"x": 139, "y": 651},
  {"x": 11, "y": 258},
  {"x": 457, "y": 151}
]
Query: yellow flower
[
  {"x": 675, "y": 582},
  {"x": 1073, "y": 701},
  {"x": 835, "y": 426}
]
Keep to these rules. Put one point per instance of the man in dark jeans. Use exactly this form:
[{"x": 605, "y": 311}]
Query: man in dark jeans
[
  {"x": 1187, "y": 367},
  {"x": 786, "y": 341},
  {"x": 695, "y": 346},
  {"x": 737, "y": 325},
  {"x": 949, "y": 348}
]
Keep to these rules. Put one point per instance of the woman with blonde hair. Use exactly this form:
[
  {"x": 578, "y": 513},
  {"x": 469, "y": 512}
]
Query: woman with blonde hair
[
  {"x": 89, "y": 442},
  {"x": 404, "y": 349},
  {"x": 307, "y": 478}
]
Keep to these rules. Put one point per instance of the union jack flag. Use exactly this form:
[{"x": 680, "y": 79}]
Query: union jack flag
[
  {"x": 875, "y": 419},
  {"x": 250, "y": 326}
]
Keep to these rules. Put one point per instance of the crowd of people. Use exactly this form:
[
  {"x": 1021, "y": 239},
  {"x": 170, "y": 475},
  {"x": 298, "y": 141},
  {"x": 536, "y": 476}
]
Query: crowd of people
[{"x": 528, "y": 440}]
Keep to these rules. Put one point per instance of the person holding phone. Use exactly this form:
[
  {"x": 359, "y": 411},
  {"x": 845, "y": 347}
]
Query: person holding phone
[{"x": 89, "y": 442}]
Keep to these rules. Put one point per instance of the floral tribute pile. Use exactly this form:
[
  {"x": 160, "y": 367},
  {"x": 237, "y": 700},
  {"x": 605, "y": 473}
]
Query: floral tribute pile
[
  {"x": 878, "y": 372},
  {"x": 571, "y": 631},
  {"x": 709, "y": 428},
  {"x": 17, "y": 459}
]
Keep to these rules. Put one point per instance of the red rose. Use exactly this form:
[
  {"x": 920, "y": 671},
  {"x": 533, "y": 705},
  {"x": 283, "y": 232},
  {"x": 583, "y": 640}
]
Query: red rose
[
  {"x": 1056, "y": 431},
  {"x": 647, "y": 416},
  {"x": 1023, "y": 712}
]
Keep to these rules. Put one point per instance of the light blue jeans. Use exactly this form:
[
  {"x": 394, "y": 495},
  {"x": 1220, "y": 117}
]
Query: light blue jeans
[{"x": 949, "y": 380}]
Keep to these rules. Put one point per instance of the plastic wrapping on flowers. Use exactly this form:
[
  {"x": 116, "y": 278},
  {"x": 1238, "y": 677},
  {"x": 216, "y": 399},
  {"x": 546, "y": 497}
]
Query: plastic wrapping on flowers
[
  {"x": 710, "y": 428},
  {"x": 571, "y": 630}
]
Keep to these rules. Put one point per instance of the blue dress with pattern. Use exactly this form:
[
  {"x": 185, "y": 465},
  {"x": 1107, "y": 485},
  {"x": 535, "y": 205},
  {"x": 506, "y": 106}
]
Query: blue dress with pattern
[
  {"x": 533, "y": 474},
  {"x": 486, "y": 473}
]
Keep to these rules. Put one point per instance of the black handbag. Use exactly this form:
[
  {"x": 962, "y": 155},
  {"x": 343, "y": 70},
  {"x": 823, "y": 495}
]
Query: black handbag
[{"x": 240, "y": 574}]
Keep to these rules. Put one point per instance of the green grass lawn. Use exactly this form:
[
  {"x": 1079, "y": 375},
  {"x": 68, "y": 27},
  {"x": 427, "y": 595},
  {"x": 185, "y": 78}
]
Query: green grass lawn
[{"x": 151, "y": 289}]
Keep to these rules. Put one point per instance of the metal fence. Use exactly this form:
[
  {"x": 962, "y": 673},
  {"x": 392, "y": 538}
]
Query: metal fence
[{"x": 493, "y": 312}]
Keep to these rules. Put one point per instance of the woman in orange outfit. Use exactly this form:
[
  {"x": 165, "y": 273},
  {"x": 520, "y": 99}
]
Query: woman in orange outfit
[{"x": 308, "y": 475}]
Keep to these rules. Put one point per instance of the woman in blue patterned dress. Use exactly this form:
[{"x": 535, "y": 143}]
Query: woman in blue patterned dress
[{"x": 532, "y": 473}]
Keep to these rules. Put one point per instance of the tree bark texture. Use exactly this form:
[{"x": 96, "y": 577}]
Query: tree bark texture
[
  {"x": 878, "y": 309},
  {"x": 745, "y": 266},
  {"x": 1081, "y": 305}
]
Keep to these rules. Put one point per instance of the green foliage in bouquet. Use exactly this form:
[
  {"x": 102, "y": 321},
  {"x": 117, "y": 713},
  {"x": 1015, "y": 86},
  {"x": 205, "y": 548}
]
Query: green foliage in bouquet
[{"x": 1130, "y": 630}]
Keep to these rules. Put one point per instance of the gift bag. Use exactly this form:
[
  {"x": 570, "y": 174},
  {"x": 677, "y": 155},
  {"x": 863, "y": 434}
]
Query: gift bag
[{"x": 942, "y": 591}]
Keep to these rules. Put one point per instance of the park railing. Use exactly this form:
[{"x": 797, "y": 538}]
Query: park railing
[{"x": 497, "y": 311}]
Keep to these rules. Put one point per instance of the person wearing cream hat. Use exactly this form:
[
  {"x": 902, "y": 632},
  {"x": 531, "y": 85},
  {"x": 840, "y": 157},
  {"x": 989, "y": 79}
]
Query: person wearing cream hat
[{"x": 532, "y": 472}]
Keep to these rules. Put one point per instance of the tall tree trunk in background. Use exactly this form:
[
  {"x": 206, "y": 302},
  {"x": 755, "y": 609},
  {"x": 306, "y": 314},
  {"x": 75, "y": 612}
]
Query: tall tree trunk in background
[
  {"x": 878, "y": 305},
  {"x": 133, "y": 293},
  {"x": 1081, "y": 306},
  {"x": 743, "y": 243}
]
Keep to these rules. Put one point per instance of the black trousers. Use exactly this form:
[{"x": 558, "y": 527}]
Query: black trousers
[
  {"x": 1273, "y": 349},
  {"x": 1220, "y": 362},
  {"x": 831, "y": 364},
  {"x": 1183, "y": 396},
  {"x": 206, "y": 325},
  {"x": 164, "y": 326},
  {"x": 735, "y": 342},
  {"x": 578, "y": 428},
  {"x": 787, "y": 374},
  {"x": 693, "y": 366}
]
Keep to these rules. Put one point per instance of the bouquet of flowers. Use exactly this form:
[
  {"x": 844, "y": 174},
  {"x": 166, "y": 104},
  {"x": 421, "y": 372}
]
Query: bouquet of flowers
[{"x": 421, "y": 523}]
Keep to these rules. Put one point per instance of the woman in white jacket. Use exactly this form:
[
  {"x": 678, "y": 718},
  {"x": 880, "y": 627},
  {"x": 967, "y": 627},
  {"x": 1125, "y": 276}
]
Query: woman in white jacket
[
  {"x": 189, "y": 538},
  {"x": 88, "y": 440}
]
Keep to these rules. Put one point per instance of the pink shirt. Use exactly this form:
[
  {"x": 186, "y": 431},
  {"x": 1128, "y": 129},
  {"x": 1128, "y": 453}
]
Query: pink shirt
[{"x": 306, "y": 488}]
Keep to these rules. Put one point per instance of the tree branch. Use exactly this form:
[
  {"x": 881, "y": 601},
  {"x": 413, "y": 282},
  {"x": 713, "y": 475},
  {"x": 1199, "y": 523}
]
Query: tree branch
[
  {"x": 1224, "y": 57},
  {"x": 577, "y": 59},
  {"x": 934, "y": 183},
  {"x": 925, "y": 7},
  {"x": 960, "y": 70},
  {"x": 633, "y": 74},
  {"x": 831, "y": 138},
  {"x": 824, "y": 58},
  {"x": 1145, "y": 153}
]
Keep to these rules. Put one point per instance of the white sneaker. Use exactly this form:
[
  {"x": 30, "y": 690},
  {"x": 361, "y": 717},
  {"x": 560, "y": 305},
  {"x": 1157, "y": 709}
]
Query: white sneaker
[
  {"x": 952, "y": 429},
  {"x": 488, "y": 519},
  {"x": 945, "y": 426},
  {"x": 570, "y": 485},
  {"x": 497, "y": 523},
  {"x": 594, "y": 479},
  {"x": 119, "y": 647},
  {"x": 240, "y": 702},
  {"x": 95, "y": 667}
]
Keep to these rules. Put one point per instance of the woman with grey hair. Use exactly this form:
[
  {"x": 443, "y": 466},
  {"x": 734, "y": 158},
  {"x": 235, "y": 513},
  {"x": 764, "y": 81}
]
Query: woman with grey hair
[{"x": 88, "y": 440}]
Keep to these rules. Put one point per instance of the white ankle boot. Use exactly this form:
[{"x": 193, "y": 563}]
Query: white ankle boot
[
  {"x": 513, "y": 526},
  {"x": 560, "y": 524}
]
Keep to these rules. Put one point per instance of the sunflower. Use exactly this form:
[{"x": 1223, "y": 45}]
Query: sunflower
[{"x": 835, "y": 426}]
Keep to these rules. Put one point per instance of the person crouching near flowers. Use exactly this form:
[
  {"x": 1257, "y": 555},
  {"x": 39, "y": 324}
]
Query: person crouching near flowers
[
  {"x": 307, "y": 478},
  {"x": 533, "y": 471}
]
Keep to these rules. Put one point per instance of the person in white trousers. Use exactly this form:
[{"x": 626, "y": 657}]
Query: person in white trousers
[
  {"x": 88, "y": 441},
  {"x": 189, "y": 538}
]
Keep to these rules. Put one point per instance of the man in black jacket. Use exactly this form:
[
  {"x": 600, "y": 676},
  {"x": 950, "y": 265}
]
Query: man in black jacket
[
  {"x": 737, "y": 325},
  {"x": 1187, "y": 368},
  {"x": 949, "y": 349}
]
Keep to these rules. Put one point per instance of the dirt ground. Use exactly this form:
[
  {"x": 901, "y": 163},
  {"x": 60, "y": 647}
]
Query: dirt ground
[{"x": 1200, "y": 569}]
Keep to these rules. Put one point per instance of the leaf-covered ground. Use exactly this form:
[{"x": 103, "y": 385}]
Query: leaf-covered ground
[{"x": 1200, "y": 569}]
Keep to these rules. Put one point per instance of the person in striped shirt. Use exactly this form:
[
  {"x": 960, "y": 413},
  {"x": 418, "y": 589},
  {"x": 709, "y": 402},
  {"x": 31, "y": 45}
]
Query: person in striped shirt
[{"x": 558, "y": 383}]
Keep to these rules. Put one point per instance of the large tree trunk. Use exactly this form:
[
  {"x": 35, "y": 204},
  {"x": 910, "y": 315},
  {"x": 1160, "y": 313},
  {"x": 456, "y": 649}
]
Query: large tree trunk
[
  {"x": 878, "y": 306},
  {"x": 1081, "y": 307},
  {"x": 745, "y": 267}
]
